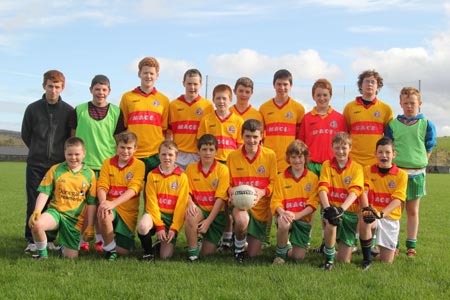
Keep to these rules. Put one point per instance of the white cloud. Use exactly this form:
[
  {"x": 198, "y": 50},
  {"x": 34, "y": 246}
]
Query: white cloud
[{"x": 304, "y": 65}]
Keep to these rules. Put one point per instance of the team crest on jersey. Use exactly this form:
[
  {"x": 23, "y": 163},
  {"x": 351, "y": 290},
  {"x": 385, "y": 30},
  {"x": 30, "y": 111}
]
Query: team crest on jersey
[
  {"x": 289, "y": 115},
  {"x": 391, "y": 184},
  {"x": 232, "y": 129},
  {"x": 333, "y": 124},
  {"x": 215, "y": 183},
  {"x": 83, "y": 188},
  {"x": 199, "y": 112},
  {"x": 174, "y": 185},
  {"x": 308, "y": 187},
  {"x": 377, "y": 114},
  {"x": 129, "y": 175},
  {"x": 156, "y": 103},
  {"x": 261, "y": 170},
  {"x": 347, "y": 180}
]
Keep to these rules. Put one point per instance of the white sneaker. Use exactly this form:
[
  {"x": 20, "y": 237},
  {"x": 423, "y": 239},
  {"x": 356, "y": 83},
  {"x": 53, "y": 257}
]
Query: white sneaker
[
  {"x": 30, "y": 248},
  {"x": 52, "y": 246}
]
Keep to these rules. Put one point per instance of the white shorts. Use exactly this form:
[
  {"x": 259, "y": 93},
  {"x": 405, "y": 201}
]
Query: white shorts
[
  {"x": 387, "y": 233},
  {"x": 185, "y": 158}
]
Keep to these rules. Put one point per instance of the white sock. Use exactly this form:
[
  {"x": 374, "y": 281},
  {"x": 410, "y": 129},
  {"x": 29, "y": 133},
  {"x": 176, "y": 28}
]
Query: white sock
[
  {"x": 110, "y": 247},
  {"x": 41, "y": 245},
  {"x": 98, "y": 238}
]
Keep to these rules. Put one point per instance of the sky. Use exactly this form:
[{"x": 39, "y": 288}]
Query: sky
[{"x": 406, "y": 41}]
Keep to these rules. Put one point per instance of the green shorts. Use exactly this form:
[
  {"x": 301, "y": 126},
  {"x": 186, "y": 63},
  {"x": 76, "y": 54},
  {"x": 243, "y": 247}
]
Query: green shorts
[
  {"x": 256, "y": 228},
  {"x": 346, "y": 231},
  {"x": 416, "y": 187},
  {"x": 150, "y": 162},
  {"x": 69, "y": 236},
  {"x": 124, "y": 237},
  {"x": 217, "y": 227},
  {"x": 167, "y": 220},
  {"x": 314, "y": 167},
  {"x": 300, "y": 234}
]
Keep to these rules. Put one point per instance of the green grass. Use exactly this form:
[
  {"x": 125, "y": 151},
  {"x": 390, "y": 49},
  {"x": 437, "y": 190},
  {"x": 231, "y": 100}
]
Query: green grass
[{"x": 425, "y": 277}]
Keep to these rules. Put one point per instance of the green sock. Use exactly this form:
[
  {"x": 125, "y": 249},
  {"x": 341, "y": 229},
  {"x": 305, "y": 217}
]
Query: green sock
[
  {"x": 282, "y": 251},
  {"x": 42, "y": 253},
  {"x": 411, "y": 244},
  {"x": 194, "y": 251},
  {"x": 329, "y": 253}
]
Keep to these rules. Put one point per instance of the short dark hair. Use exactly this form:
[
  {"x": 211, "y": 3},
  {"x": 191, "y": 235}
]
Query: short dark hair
[
  {"x": 282, "y": 74},
  {"x": 385, "y": 141},
  {"x": 73, "y": 141},
  {"x": 207, "y": 139},
  {"x": 100, "y": 79},
  {"x": 126, "y": 137},
  {"x": 192, "y": 73},
  {"x": 252, "y": 125}
]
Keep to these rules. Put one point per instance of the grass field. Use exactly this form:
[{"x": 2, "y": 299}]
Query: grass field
[{"x": 425, "y": 277}]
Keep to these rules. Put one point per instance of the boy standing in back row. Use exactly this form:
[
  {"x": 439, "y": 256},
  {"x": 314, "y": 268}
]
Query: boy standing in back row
[
  {"x": 97, "y": 122},
  {"x": 282, "y": 116},
  {"x": 414, "y": 137},
  {"x": 367, "y": 117},
  {"x": 145, "y": 112},
  {"x": 243, "y": 89},
  {"x": 185, "y": 114}
]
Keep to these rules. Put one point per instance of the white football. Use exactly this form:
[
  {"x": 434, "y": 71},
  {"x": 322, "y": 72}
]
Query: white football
[{"x": 244, "y": 196}]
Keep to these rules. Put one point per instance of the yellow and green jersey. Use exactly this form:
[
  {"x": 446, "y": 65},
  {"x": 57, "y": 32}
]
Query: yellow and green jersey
[{"x": 70, "y": 191}]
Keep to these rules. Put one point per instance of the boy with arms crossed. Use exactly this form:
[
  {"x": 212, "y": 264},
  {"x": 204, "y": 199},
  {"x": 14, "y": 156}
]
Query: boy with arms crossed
[
  {"x": 145, "y": 111},
  {"x": 166, "y": 196},
  {"x": 71, "y": 186},
  {"x": 340, "y": 184},
  {"x": 118, "y": 190},
  {"x": 384, "y": 193},
  {"x": 253, "y": 165},
  {"x": 282, "y": 116},
  {"x": 225, "y": 125},
  {"x": 96, "y": 122},
  {"x": 208, "y": 185},
  {"x": 243, "y": 89},
  {"x": 414, "y": 138},
  {"x": 44, "y": 131},
  {"x": 185, "y": 114},
  {"x": 294, "y": 200}
]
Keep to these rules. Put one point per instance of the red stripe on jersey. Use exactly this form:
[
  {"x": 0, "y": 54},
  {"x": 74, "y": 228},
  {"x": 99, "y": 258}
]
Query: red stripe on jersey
[
  {"x": 116, "y": 191},
  {"x": 257, "y": 182},
  {"x": 367, "y": 128},
  {"x": 226, "y": 142},
  {"x": 204, "y": 198},
  {"x": 280, "y": 129},
  {"x": 144, "y": 117},
  {"x": 185, "y": 127},
  {"x": 379, "y": 199},
  {"x": 167, "y": 201},
  {"x": 338, "y": 195},
  {"x": 295, "y": 204}
]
